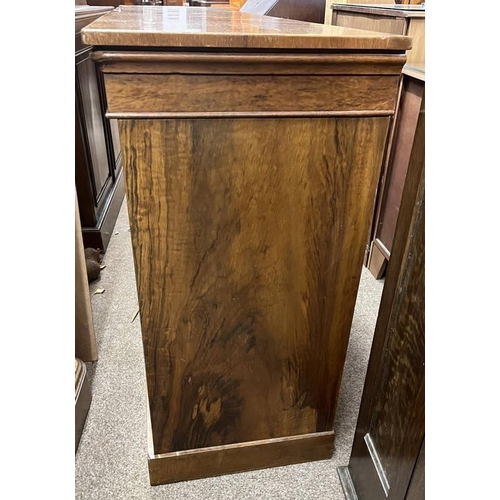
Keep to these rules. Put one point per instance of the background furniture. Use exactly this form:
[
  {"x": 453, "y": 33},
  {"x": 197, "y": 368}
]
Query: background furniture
[
  {"x": 328, "y": 6},
  {"x": 85, "y": 341},
  {"x": 388, "y": 454},
  {"x": 251, "y": 171},
  {"x": 98, "y": 171},
  {"x": 398, "y": 19},
  {"x": 411, "y": 106},
  {"x": 302, "y": 10},
  {"x": 83, "y": 398}
]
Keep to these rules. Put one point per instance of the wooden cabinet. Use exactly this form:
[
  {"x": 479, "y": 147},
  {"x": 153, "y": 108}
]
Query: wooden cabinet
[
  {"x": 411, "y": 107},
  {"x": 98, "y": 173},
  {"x": 252, "y": 149},
  {"x": 398, "y": 19},
  {"x": 388, "y": 454}
]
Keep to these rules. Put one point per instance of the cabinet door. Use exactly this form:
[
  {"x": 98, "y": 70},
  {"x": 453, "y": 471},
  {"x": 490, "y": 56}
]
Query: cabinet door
[
  {"x": 390, "y": 429},
  {"x": 88, "y": 99}
]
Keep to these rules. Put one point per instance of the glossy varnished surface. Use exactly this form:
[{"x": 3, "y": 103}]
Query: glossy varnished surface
[
  {"x": 207, "y": 27},
  {"x": 248, "y": 251},
  {"x": 250, "y": 179}
]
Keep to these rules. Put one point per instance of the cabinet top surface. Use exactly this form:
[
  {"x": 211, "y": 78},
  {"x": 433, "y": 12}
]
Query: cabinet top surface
[
  {"x": 135, "y": 26},
  {"x": 396, "y": 10}
]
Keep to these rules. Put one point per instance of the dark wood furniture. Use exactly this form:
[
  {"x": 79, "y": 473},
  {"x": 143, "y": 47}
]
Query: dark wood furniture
[
  {"x": 312, "y": 11},
  {"x": 410, "y": 107},
  {"x": 388, "y": 454},
  {"x": 83, "y": 398},
  {"x": 252, "y": 148},
  {"x": 98, "y": 171}
]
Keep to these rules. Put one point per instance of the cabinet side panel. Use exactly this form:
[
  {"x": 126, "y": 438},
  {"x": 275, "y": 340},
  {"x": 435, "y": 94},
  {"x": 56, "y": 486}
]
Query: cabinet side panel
[{"x": 248, "y": 239}]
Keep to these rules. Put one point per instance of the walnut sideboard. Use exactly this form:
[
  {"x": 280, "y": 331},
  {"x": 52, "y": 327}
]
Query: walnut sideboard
[{"x": 251, "y": 147}]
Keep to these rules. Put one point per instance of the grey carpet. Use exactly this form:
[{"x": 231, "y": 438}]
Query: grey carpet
[{"x": 111, "y": 461}]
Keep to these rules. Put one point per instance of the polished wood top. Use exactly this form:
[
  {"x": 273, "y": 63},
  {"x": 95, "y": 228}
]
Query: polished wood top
[
  {"x": 397, "y": 10},
  {"x": 136, "y": 26}
]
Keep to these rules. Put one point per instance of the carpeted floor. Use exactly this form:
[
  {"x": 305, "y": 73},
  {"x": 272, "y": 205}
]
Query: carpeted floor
[{"x": 111, "y": 461}]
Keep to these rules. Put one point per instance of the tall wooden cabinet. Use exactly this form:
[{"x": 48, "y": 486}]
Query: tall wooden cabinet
[
  {"x": 388, "y": 454},
  {"x": 252, "y": 147},
  {"x": 98, "y": 169}
]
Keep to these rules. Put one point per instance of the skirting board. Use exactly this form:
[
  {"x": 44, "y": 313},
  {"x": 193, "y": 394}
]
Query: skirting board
[{"x": 239, "y": 457}]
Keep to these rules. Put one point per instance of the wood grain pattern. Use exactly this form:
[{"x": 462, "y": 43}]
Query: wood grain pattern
[
  {"x": 393, "y": 403},
  {"x": 217, "y": 460},
  {"x": 416, "y": 490},
  {"x": 389, "y": 195},
  {"x": 372, "y": 22},
  {"x": 416, "y": 30},
  {"x": 248, "y": 252},
  {"x": 219, "y": 28},
  {"x": 411, "y": 106},
  {"x": 260, "y": 93},
  {"x": 247, "y": 63}
]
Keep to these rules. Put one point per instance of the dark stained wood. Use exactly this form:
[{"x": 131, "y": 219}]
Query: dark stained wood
[
  {"x": 416, "y": 490},
  {"x": 99, "y": 236},
  {"x": 97, "y": 149},
  {"x": 392, "y": 406},
  {"x": 243, "y": 255},
  {"x": 249, "y": 213},
  {"x": 197, "y": 27},
  {"x": 208, "y": 462},
  {"x": 312, "y": 11}
]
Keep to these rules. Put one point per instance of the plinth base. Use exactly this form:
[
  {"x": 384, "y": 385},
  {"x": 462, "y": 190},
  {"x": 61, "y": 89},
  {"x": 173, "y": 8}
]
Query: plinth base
[{"x": 239, "y": 457}]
